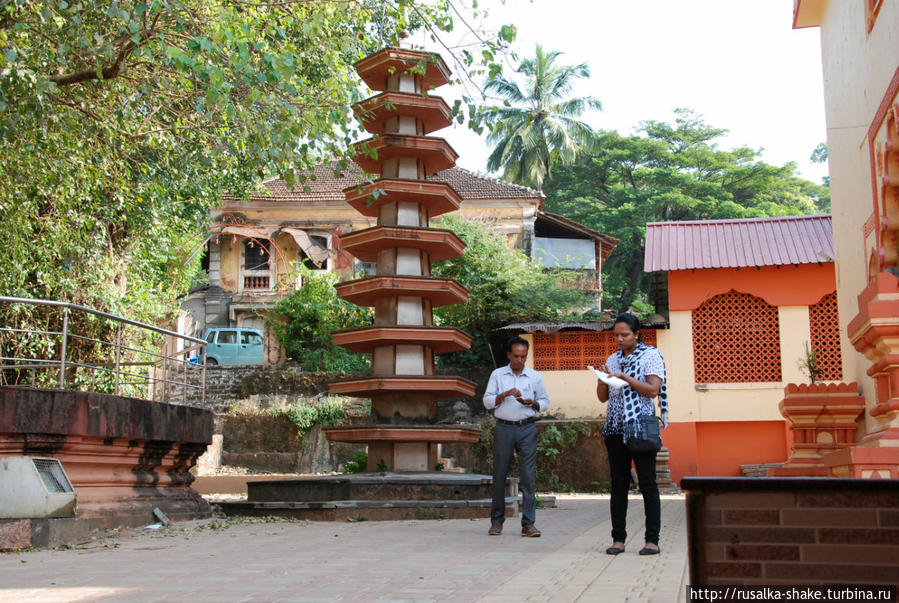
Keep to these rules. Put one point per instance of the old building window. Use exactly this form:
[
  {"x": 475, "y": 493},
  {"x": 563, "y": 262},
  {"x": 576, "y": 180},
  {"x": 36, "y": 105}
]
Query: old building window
[
  {"x": 317, "y": 257},
  {"x": 824, "y": 327},
  {"x": 256, "y": 265},
  {"x": 736, "y": 339}
]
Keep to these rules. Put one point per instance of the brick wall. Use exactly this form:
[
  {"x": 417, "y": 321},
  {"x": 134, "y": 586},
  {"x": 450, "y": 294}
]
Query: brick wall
[{"x": 792, "y": 531}]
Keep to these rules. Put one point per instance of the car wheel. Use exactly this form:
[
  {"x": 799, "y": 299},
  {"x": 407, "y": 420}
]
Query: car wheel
[{"x": 211, "y": 362}]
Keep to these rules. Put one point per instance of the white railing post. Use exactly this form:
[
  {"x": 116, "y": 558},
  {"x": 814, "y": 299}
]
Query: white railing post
[
  {"x": 118, "y": 357},
  {"x": 165, "y": 361},
  {"x": 62, "y": 352}
]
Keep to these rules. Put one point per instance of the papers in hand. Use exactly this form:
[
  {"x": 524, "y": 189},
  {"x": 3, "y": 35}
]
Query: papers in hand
[{"x": 608, "y": 379}]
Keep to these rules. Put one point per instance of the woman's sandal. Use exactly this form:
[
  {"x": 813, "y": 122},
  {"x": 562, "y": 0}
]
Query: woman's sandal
[
  {"x": 614, "y": 550},
  {"x": 649, "y": 551}
]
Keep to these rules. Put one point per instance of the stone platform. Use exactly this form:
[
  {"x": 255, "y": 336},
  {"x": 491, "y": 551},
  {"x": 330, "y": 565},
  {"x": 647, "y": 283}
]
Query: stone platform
[
  {"x": 373, "y": 496},
  {"x": 125, "y": 457}
]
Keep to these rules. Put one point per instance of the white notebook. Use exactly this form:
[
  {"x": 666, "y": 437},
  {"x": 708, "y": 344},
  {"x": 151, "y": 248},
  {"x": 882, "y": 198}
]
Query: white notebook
[{"x": 608, "y": 379}]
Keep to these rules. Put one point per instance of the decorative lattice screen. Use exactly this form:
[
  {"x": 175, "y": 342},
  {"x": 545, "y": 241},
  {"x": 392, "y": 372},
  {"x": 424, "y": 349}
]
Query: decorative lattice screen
[
  {"x": 575, "y": 350},
  {"x": 736, "y": 339},
  {"x": 824, "y": 326}
]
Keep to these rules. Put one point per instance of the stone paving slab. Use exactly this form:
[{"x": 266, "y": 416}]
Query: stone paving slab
[{"x": 450, "y": 560}]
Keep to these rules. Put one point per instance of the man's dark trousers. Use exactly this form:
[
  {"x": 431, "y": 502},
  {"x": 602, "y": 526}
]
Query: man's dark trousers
[
  {"x": 521, "y": 439},
  {"x": 620, "y": 468}
]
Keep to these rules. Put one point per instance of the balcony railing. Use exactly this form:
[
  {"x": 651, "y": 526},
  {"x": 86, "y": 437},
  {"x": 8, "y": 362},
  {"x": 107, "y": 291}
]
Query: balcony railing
[
  {"x": 52, "y": 344},
  {"x": 256, "y": 283}
]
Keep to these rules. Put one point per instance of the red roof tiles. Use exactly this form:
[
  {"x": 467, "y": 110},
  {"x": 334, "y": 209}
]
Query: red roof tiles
[{"x": 738, "y": 243}]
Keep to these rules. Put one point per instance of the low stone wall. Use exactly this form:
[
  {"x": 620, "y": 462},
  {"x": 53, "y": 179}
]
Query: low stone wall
[
  {"x": 227, "y": 384},
  {"x": 124, "y": 456},
  {"x": 266, "y": 384},
  {"x": 267, "y": 444},
  {"x": 810, "y": 531}
]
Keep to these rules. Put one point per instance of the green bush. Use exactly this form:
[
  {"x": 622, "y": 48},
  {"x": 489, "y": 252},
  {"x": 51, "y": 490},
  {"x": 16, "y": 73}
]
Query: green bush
[
  {"x": 358, "y": 463},
  {"x": 304, "y": 323},
  {"x": 326, "y": 412}
]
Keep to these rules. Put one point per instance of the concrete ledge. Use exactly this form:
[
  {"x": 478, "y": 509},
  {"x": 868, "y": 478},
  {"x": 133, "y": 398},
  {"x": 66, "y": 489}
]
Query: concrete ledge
[
  {"x": 373, "y": 487},
  {"x": 232, "y": 484},
  {"x": 355, "y": 510}
]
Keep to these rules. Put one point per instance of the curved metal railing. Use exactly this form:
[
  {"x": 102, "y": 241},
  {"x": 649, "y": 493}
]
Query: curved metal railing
[{"x": 144, "y": 361}]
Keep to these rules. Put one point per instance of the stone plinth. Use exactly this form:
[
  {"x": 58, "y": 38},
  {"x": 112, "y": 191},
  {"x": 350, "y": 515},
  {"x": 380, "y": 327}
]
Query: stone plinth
[
  {"x": 823, "y": 419},
  {"x": 372, "y": 486},
  {"x": 124, "y": 456},
  {"x": 374, "y": 496}
]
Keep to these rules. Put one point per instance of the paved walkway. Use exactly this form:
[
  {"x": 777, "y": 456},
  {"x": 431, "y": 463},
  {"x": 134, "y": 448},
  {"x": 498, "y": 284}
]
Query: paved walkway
[{"x": 452, "y": 560}]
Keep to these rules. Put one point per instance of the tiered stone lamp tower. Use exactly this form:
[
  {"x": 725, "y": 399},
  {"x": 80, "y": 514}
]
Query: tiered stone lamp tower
[
  {"x": 403, "y": 340},
  {"x": 402, "y": 482}
]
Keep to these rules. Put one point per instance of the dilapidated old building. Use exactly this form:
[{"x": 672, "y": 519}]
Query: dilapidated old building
[{"x": 254, "y": 245}]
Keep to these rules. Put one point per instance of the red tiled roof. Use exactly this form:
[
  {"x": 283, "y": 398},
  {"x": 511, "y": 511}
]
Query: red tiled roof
[
  {"x": 738, "y": 243},
  {"x": 474, "y": 186},
  {"x": 326, "y": 187}
]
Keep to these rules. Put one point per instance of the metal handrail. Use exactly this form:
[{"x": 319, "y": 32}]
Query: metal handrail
[{"x": 165, "y": 369}]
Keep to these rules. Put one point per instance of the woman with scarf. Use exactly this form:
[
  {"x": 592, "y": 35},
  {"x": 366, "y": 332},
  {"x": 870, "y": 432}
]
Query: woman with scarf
[{"x": 643, "y": 369}]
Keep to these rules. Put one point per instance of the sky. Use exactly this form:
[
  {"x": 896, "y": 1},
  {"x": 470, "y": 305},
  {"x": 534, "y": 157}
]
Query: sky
[{"x": 737, "y": 63}]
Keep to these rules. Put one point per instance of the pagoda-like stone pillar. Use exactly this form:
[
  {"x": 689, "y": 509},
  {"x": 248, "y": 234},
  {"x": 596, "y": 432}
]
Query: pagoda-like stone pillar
[
  {"x": 875, "y": 333},
  {"x": 823, "y": 418},
  {"x": 403, "y": 339}
]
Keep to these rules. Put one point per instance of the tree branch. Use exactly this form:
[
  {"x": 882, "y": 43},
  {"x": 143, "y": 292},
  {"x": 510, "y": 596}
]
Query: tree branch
[{"x": 107, "y": 73}]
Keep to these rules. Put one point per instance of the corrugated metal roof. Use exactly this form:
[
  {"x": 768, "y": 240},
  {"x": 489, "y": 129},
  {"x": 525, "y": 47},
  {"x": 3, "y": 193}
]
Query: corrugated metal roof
[
  {"x": 738, "y": 243},
  {"x": 654, "y": 321}
]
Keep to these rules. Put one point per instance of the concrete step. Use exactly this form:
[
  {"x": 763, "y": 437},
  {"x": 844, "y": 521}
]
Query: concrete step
[
  {"x": 367, "y": 510},
  {"x": 373, "y": 487}
]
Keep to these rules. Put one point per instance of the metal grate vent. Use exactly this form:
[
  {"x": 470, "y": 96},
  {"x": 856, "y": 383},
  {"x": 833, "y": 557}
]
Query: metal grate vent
[
  {"x": 736, "y": 339},
  {"x": 575, "y": 350},
  {"x": 53, "y": 476}
]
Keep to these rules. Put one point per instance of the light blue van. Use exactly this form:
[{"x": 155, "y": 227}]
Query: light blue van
[{"x": 233, "y": 346}]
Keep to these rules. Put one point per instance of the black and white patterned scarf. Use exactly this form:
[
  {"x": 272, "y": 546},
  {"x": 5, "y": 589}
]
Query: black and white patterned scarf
[{"x": 632, "y": 366}]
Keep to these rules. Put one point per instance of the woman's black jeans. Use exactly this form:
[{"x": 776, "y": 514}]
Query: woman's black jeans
[{"x": 620, "y": 468}]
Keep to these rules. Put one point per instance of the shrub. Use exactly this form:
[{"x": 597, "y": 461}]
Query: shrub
[{"x": 304, "y": 323}]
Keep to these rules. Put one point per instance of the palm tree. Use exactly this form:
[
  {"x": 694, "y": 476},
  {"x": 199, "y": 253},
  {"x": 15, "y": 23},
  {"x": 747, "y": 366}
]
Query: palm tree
[{"x": 538, "y": 126}]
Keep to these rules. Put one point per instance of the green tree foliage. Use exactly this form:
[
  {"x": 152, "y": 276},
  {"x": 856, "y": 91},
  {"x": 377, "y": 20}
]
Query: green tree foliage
[
  {"x": 538, "y": 126},
  {"x": 304, "y": 324},
  {"x": 504, "y": 284},
  {"x": 122, "y": 123},
  {"x": 670, "y": 172},
  {"x": 819, "y": 155}
]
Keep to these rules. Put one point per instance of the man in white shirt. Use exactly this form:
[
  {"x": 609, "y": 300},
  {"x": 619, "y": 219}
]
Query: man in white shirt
[{"x": 515, "y": 394}]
